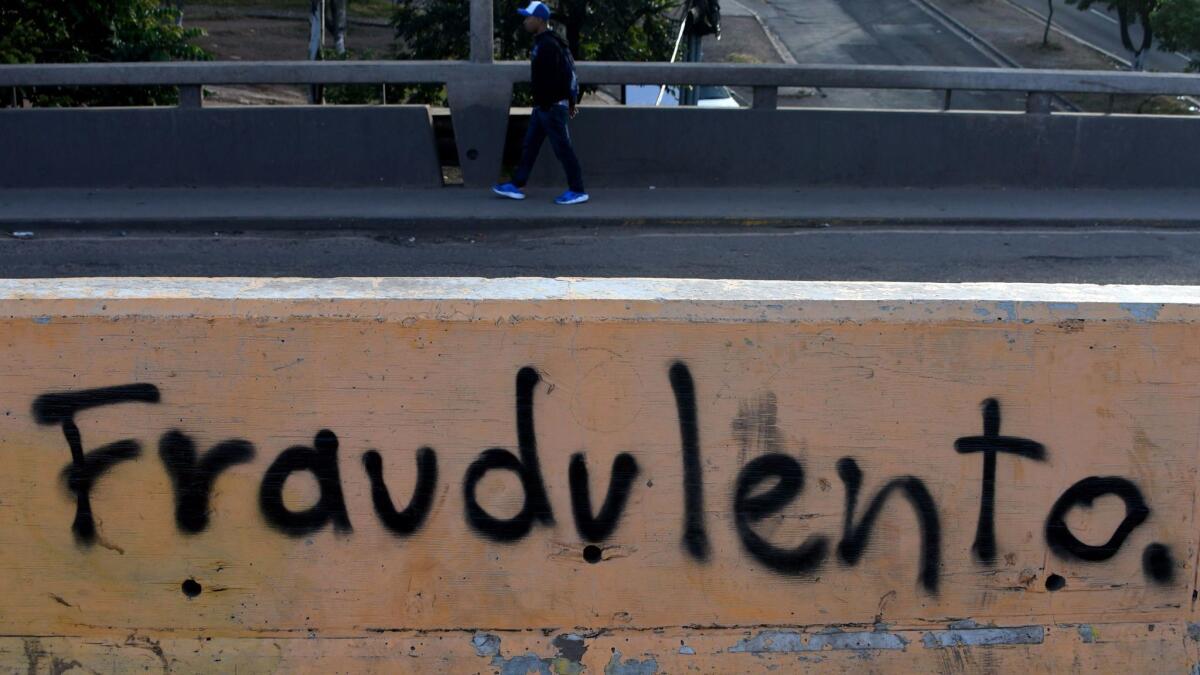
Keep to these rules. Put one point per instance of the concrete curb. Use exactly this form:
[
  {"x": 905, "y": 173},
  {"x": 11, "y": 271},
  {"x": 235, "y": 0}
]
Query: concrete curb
[
  {"x": 414, "y": 224},
  {"x": 776, "y": 42},
  {"x": 450, "y": 210},
  {"x": 992, "y": 52},
  {"x": 1126, "y": 63},
  {"x": 1073, "y": 37},
  {"x": 1046, "y": 301},
  {"x": 987, "y": 48}
]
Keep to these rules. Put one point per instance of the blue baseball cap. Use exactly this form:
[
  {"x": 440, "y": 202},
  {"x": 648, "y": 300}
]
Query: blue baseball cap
[{"x": 536, "y": 8}]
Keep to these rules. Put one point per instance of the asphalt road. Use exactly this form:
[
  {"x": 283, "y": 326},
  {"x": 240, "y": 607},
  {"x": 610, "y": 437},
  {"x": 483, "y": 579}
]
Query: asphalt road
[
  {"x": 875, "y": 32},
  {"x": 1100, "y": 27},
  {"x": 1163, "y": 256}
]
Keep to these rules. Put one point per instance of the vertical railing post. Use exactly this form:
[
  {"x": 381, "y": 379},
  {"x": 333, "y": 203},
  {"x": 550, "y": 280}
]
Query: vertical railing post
[
  {"x": 1038, "y": 103},
  {"x": 766, "y": 98},
  {"x": 482, "y": 32},
  {"x": 690, "y": 94},
  {"x": 191, "y": 96}
]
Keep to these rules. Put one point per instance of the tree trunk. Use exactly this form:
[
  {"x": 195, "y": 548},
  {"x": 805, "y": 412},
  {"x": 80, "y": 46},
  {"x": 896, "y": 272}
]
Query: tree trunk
[
  {"x": 1127, "y": 20},
  {"x": 1049, "y": 18},
  {"x": 572, "y": 21}
]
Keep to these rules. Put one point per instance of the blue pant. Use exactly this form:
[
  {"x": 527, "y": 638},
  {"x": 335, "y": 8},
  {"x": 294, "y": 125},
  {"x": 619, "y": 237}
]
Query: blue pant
[{"x": 552, "y": 123}]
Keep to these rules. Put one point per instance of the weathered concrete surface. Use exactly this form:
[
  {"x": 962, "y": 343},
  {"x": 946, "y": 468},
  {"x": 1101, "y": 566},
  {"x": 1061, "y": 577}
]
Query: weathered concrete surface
[
  {"x": 453, "y": 211},
  {"x": 620, "y": 147},
  {"x": 637, "y": 147},
  {"x": 766, "y": 420},
  {"x": 301, "y": 146}
]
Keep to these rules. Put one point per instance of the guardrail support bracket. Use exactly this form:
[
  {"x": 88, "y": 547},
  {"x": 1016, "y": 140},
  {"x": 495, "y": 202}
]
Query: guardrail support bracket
[
  {"x": 766, "y": 98},
  {"x": 1038, "y": 102},
  {"x": 191, "y": 96}
]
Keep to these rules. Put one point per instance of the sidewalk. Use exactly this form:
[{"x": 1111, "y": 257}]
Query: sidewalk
[{"x": 456, "y": 209}]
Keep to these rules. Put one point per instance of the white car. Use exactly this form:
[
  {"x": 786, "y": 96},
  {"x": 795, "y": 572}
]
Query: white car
[{"x": 709, "y": 96}]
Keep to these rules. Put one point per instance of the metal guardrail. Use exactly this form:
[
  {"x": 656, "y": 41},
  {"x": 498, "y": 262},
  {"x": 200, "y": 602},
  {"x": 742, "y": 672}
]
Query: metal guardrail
[
  {"x": 1040, "y": 85},
  {"x": 601, "y": 72}
]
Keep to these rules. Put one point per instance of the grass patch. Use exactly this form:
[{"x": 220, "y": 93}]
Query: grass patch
[
  {"x": 376, "y": 9},
  {"x": 738, "y": 57}
]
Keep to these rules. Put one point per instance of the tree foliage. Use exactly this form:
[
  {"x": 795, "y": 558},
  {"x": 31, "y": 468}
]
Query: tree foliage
[
  {"x": 1174, "y": 23},
  {"x": 597, "y": 30},
  {"x": 1178, "y": 26},
  {"x": 93, "y": 31}
]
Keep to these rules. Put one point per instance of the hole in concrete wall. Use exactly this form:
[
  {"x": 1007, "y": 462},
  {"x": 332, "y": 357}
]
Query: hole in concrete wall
[
  {"x": 1054, "y": 582},
  {"x": 591, "y": 553},
  {"x": 191, "y": 588},
  {"x": 472, "y": 154}
]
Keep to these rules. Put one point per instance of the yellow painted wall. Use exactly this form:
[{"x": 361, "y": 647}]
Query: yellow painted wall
[{"x": 884, "y": 385}]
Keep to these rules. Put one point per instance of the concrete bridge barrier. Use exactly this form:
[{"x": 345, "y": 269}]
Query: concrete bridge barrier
[
  {"x": 691, "y": 147},
  {"x": 394, "y": 147},
  {"x": 300, "y": 146},
  {"x": 618, "y": 476}
]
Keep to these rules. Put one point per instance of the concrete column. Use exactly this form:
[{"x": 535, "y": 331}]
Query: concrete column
[
  {"x": 482, "y": 43},
  {"x": 479, "y": 112}
]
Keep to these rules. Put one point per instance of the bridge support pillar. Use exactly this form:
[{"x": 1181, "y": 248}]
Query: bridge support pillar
[{"x": 479, "y": 113}]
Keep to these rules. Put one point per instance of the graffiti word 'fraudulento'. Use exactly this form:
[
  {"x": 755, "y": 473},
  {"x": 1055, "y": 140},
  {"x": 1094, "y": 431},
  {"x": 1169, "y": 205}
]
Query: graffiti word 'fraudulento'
[{"x": 764, "y": 487}]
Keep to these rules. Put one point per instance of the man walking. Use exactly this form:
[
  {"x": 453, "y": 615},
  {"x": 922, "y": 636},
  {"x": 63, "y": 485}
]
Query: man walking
[{"x": 555, "y": 94}]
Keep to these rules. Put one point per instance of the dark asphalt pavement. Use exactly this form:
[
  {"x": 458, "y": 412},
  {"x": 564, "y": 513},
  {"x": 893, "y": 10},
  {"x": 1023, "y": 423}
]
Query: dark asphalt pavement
[
  {"x": 1166, "y": 256},
  {"x": 876, "y": 32},
  {"x": 1100, "y": 27}
]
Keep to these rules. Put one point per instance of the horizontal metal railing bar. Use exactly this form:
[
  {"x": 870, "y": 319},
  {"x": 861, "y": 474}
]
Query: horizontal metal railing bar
[
  {"x": 256, "y": 72},
  {"x": 594, "y": 72}
]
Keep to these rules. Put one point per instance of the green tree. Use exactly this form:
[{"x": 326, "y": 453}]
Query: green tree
[
  {"x": 93, "y": 31},
  {"x": 597, "y": 30},
  {"x": 1130, "y": 13},
  {"x": 1178, "y": 26},
  {"x": 1174, "y": 23}
]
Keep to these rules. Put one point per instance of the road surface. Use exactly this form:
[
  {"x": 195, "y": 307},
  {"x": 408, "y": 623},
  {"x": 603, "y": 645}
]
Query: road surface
[
  {"x": 875, "y": 32},
  {"x": 1100, "y": 27},
  {"x": 910, "y": 253}
]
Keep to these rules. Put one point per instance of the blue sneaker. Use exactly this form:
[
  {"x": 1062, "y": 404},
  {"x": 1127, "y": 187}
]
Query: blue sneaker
[
  {"x": 569, "y": 197},
  {"x": 509, "y": 190}
]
